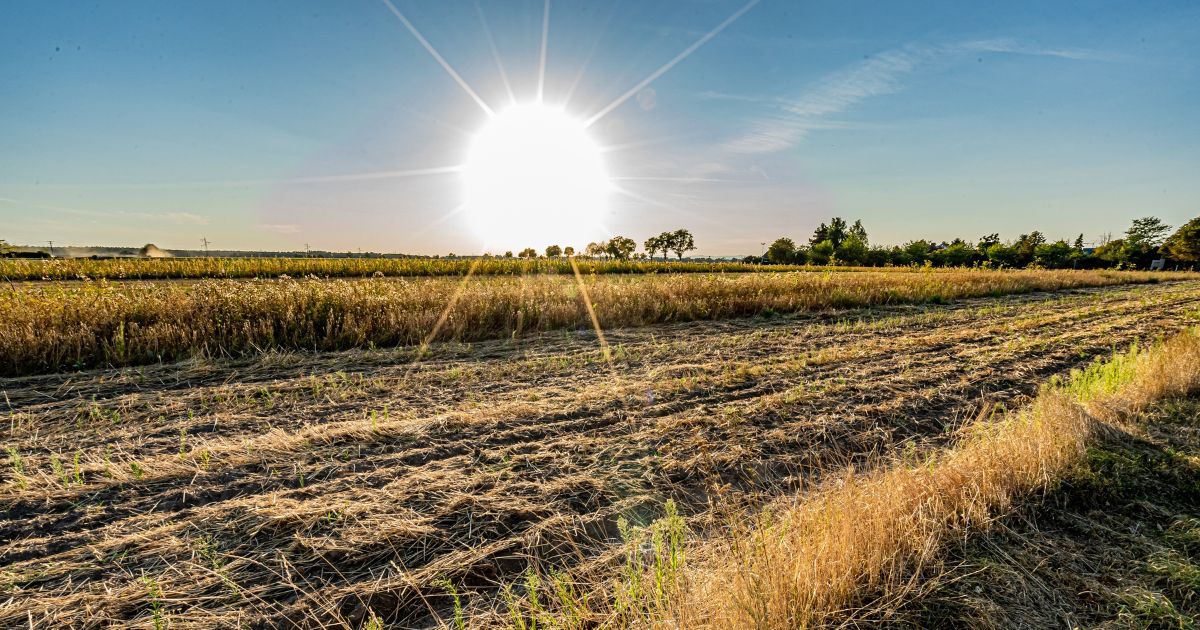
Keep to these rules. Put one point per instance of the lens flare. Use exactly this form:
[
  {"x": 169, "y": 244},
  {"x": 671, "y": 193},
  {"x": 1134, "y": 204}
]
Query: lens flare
[{"x": 534, "y": 177}]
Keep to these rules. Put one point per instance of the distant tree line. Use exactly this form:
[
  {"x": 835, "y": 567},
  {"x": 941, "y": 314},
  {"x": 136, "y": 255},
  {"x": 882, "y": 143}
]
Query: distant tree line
[
  {"x": 847, "y": 244},
  {"x": 678, "y": 242}
]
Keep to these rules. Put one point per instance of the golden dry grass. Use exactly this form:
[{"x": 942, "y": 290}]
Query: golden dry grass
[
  {"x": 74, "y": 326},
  {"x": 805, "y": 563},
  {"x": 185, "y": 268}
]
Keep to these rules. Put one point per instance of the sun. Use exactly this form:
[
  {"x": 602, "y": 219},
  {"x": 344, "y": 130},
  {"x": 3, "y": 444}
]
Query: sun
[{"x": 534, "y": 177}]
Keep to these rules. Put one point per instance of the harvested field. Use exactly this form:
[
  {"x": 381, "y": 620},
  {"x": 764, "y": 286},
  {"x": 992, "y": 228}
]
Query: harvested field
[{"x": 331, "y": 489}]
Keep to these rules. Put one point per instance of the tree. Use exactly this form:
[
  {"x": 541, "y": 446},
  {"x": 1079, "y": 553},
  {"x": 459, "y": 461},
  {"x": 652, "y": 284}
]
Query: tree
[
  {"x": 852, "y": 250},
  {"x": 877, "y": 257},
  {"x": 1027, "y": 246},
  {"x": 1147, "y": 232},
  {"x": 1054, "y": 255},
  {"x": 620, "y": 247},
  {"x": 3, "y": 247},
  {"x": 528, "y": 252},
  {"x": 681, "y": 243},
  {"x": 1184, "y": 244},
  {"x": 918, "y": 251},
  {"x": 1001, "y": 255},
  {"x": 987, "y": 241},
  {"x": 822, "y": 253},
  {"x": 677, "y": 241},
  {"x": 568, "y": 251},
  {"x": 782, "y": 251},
  {"x": 1142, "y": 240},
  {"x": 595, "y": 250},
  {"x": 1079, "y": 243},
  {"x": 858, "y": 231},
  {"x": 508, "y": 254},
  {"x": 553, "y": 251},
  {"x": 957, "y": 254},
  {"x": 819, "y": 234},
  {"x": 655, "y": 244},
  {"x": 1112, "y": 252},
  {"x": 837, "y": 231}
]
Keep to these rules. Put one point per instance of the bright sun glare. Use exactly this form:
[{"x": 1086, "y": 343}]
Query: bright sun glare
[{"x": 534, "y": 177}]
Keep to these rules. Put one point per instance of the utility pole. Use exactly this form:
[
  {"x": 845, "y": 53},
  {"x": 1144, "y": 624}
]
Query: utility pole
[
  {"x": 51, "y": 248},
  {"x": 307, "y": 253},
  {"x": 764, "y": 254},
  {"x": 205, "y": 241}
]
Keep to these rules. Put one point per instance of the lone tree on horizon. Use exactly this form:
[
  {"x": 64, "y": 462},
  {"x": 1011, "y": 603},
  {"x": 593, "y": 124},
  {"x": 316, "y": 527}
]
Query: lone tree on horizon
[
  {"x": 553, "y": 251},
  {"x": 681, "y": 243}
]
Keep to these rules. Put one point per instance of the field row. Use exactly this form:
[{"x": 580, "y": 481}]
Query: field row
[
  {"x": 45, "y": 328},
  {"x": 196, "y": 268},
  {"x": 116, "y": 269},
  {"x": 329, "y": 488}
]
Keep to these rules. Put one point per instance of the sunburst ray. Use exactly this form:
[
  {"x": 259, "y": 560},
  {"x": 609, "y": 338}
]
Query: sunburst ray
[
  {"x": 670, "y": 64},
  {"x": 438, "y": 57}
]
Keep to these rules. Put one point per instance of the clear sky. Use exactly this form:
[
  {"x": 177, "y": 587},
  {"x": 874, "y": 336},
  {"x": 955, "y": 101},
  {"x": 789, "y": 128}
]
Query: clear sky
[{"x": 268, "y": 124}]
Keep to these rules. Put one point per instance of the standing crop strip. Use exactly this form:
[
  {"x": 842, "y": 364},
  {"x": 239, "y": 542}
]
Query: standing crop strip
[
  {"x": 48, "y": 328},
  {"x": 195, "y": 268}
]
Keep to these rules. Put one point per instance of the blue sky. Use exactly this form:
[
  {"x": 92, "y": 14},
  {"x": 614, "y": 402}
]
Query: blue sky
[{"x": 271, "y": 124}]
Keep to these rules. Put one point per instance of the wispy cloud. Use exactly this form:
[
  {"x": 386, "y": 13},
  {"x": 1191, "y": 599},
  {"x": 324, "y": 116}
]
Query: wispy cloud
[
  {"x": 835, "y": 93},
  {"x": 1005, "y": 45},
  {"x": 178, "y": 218},
  {"x": 187, "y": 218},
  {"x": 878, "y": 75},
  {"x": 280, "y": 228}
]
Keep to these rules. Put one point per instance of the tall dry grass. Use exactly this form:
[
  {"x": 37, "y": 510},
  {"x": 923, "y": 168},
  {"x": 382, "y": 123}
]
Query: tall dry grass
[
  {"x": 17, "y": 270},
  {"x": 74, "y": 326},
  {"x": 807, "y": 562},
  {"x": 194, "y": 268}
]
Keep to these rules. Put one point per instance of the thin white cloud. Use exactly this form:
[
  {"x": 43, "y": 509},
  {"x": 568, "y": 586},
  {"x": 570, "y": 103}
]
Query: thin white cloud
[
  {"x": 179, "y": 218},
  {"x": 713, "y": 95},
  {"x": 280, "y": 228},
  {"x": 878, "y": 75},
  {"x": 1005, "y": 45},
  {"x": 187, "y": 218}
]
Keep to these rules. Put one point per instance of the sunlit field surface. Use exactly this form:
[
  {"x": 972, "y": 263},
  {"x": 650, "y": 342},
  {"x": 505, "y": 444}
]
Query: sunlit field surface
[
  {"x": 47, "y": 327},
  {"x": 304, "y": 463}
]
